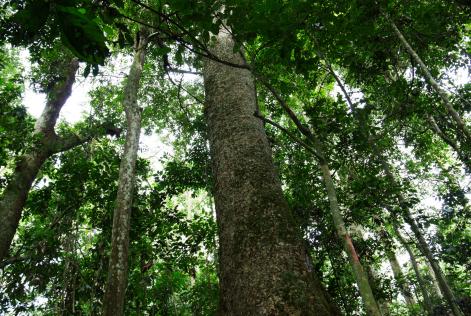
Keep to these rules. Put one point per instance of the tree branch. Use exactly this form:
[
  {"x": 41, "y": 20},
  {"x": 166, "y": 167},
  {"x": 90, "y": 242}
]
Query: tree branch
[
  {"x": 65, "y": 143},
  {"x": 291, "y": 135}
]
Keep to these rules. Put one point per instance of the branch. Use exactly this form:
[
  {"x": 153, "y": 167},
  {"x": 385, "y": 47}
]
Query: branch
[
  {"x": 205, "y": 51},
  {"x": 180, "y": 86},
  {"x": 56, "y": 98},
  {"x": 291, "y": 135},
  {"x": 303, "y": 129},
  {"x": 181, "y": 71},
  {"x": 68, "y": 142}
]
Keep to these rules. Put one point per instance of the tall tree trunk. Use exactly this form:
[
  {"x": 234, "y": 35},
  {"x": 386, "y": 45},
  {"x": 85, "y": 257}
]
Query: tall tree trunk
[
  {"x": 399, "y": 277},
  {"x": 384, "y": 303},
  {"x": 423, "y": 246},
  {"x": 16, "y": 192},
  {"x": 361, "y": 276},
  {"x": 401, "y": 282},
  {"x": 428, "y": 306},
  {"x": 315, "y": 147},
  {"x": 428, "y": 76},
  {"x": 70, "y": 273},
  {"x": 462, "y": 155},
  {"x": 427, "y": 252},
  {"x": 264, "y": 269},
  {"x": 115, "y": 290},
  {"x": 436, "y": 287}
]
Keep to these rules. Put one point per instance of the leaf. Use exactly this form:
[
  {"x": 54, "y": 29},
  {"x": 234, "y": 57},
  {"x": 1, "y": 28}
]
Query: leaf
[
  {"x": 82, "y": 35},
  {"x": 26, "y": 23}
]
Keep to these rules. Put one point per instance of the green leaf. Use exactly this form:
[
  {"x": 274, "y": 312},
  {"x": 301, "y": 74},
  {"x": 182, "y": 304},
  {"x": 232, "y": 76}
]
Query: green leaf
[
  {"x": 27, "y": 22},
  {"x": 82, "y": 35}
]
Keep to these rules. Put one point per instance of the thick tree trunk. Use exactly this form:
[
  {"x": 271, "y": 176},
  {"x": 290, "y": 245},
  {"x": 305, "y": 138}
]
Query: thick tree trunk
[
  {"x": 118, "y": 265},
  {"x": 428, "y": 76},
  {"x": 15, "y": 194},
  {"x": 264, "y": 269},
  {"x": 361, "y": 276},
  {"x": 428, "y": 306}
]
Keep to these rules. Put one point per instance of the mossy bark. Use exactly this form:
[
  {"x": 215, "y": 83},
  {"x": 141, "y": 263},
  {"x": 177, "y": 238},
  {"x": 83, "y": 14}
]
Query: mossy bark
[
  {"x": 115, "y": 290},
  {"x": 263, "y": 265}
]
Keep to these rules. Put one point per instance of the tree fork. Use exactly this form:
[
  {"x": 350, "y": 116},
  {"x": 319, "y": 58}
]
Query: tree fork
[{"x": 16, "y": 192}]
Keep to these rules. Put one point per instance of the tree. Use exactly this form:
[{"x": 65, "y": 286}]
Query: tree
[
  {"x": 392, "y": 158},
  {"x": 118, "y": 264},
  {"x": 256, "y": 227},
  {"x": 45, "y": 143}
]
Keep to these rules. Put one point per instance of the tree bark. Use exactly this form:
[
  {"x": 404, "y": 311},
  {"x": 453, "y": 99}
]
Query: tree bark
[
  {"x": 428, "y": 306},
  {"x": 16, "y": 192},
  {"x": 316, "y": 148},
  {"x": 118, "y": 265},
  {"x": 264, "y": 269}
]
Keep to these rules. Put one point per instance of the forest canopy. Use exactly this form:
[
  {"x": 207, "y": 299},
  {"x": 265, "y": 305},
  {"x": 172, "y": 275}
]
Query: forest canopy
[{"x": 222, "y": 157}]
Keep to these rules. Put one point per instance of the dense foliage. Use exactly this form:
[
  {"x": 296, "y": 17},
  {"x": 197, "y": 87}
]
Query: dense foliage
[{"x": 376, "y": 91}]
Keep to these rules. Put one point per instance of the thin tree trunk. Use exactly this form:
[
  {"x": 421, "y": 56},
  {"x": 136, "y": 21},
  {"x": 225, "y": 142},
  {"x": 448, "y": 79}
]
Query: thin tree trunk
[
  {"x": 462, "y": 156},
  {"x": 428, "y": 76},
  {"x": 427, "y": 252},
  {"x": 316, "y": 148},
  {"x": 437, "y": 291},
  {"x": 423, "y": 246},
  {"x": 422, "y": 285},
  {"x": 118, "y": 265},
  {"x": 396, "y": 268},
  {"x": 16, "y": 192},
  {"x": 383, "y": 304},
  {"x": 70, "y": 274},
  {"x": 263, "y": 266},
  {"x": 399, "y": 277},
  {"x": 361, "y": 276}
]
